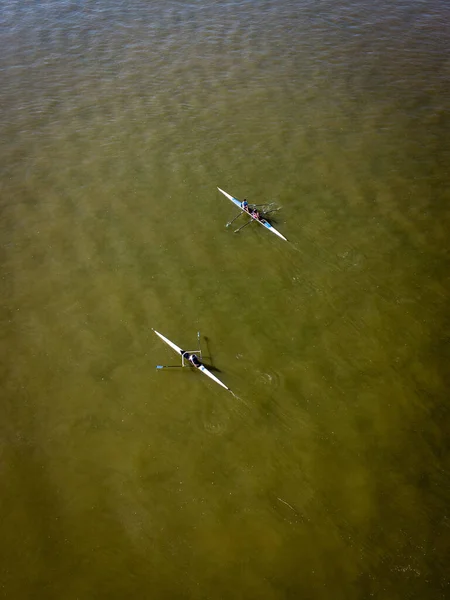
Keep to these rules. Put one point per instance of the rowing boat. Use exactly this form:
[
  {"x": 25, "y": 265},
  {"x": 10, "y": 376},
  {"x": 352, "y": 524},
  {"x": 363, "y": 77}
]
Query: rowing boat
[
  {"x": 202, "y": 368},
  {"x": 263, "y": 222}
]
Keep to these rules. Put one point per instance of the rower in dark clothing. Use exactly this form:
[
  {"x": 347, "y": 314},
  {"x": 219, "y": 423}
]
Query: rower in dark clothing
[{"x": 192, "y": 358}]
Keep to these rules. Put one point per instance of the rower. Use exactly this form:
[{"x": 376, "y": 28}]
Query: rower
[
  {"x": 192, "y": 358},
  {"x": 244, "y": 205},
  {"x": 255, "y": 214}
]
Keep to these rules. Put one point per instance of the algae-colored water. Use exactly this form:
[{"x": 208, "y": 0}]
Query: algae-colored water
[{"x": 328, "y": 476}]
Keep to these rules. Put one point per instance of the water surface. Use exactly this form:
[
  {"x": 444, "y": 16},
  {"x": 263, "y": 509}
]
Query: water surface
[{"x": 328, "y": 476}]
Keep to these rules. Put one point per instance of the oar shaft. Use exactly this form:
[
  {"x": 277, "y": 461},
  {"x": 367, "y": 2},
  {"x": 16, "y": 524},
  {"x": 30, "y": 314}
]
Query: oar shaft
[
  {"x": 239, "y": 228},
  {"x": 232, "y": 221},
  {"x": 271, "y": 211}
]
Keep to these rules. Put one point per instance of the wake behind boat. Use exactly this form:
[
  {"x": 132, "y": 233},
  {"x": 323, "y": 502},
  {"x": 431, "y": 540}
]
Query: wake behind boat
[
  {"x": 260, "y": 220},
  {"x": 184, "y": 357}
]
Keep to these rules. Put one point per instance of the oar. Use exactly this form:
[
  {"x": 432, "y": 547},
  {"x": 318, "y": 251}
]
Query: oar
[
  {"x": 169, "y": 366},
  {"x": 228, "y": 224},
  {"x": 239, "y": 228},
  {"x": 270, "y": 211},
  {"x": 198, "y": 343}
]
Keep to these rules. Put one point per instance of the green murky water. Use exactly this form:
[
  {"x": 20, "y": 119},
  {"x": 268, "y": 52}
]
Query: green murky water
[{"x": 328, "y": 476}]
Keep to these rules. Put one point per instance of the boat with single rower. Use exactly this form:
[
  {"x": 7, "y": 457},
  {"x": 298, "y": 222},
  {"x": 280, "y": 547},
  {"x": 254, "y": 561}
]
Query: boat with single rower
[{"x": 201, "y": 368}]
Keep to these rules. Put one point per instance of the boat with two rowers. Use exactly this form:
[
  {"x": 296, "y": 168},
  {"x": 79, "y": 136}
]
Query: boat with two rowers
[{"x": 260, "y": 220}]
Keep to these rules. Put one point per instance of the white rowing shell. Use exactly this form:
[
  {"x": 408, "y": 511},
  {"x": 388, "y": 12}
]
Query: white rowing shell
[
  {"x": 263, "y": 222},
  {"x": 202, "y": 368}
]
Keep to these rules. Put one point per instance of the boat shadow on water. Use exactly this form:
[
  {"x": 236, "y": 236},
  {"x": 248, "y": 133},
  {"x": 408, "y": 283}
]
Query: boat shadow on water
[
  {"x": 211, "y": 367},
  {"x": 208, "y": 356},
  {"x": 270, "y": 219}
]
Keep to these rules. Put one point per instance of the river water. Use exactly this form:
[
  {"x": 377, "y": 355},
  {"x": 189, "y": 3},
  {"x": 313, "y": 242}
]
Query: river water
[{"x": 327, "y": 474}]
